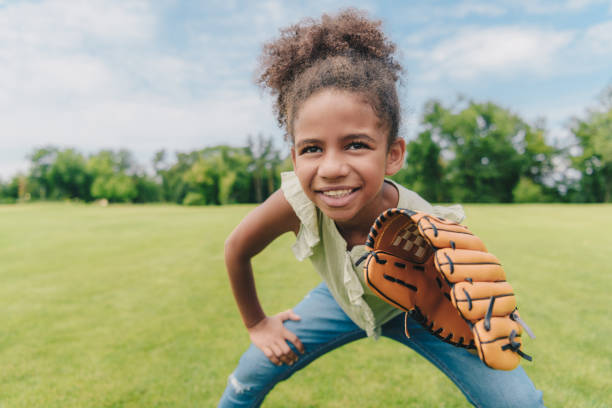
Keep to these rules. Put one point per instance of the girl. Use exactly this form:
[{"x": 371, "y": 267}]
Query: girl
[{"x": 335, "y": 83}]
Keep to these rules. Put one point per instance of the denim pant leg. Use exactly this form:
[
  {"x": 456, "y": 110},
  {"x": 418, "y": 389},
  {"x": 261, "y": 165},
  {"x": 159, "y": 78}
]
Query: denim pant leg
[
  {"x": 482, "y": 386},
  {"x": 322, "y": 328}
]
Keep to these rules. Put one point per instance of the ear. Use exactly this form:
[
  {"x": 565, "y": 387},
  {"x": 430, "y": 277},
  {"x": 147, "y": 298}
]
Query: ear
[
  {"x": 395, "y": 156},
  {"x": 293, "y": 156}
]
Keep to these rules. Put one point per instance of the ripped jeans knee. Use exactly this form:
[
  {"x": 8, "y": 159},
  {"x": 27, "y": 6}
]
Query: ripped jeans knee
[{"x": 236, "y": 385}]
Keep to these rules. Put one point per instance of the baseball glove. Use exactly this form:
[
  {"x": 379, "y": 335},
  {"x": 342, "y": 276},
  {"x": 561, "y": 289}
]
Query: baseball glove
[{"x": 442, "y": 275}]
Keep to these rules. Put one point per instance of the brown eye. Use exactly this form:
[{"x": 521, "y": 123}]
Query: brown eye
[
  {"x": 356, "y": 146},
  {"x": 310, "y": 149}
]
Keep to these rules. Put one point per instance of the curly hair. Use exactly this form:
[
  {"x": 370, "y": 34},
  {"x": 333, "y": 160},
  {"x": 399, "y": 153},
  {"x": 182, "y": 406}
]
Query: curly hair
[{"x": 346, "y": 51}]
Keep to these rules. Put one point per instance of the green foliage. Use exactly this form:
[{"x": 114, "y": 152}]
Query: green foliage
[
  {"x": 215, "y": 173},
  {"x": 263, "y": 167},
  {"x": 41, "y": 161},
  {"x": 109, "y": 171},
  {"x": 56, "y": 174},
  {"x": 594, "y": 138},
  {"x": 194, "y": 199},
  {"x": 115, "y": 188},
  {"x": 221, "y": 174},
  {"x": 423, "y": 170},
  {"x": 68, "y": 176},
  {"x": 526, "y": 191},
  {"x": 487, "y": 149},
  {"x": 147, "y": 189},
  {"x": 9, "y": 192}
]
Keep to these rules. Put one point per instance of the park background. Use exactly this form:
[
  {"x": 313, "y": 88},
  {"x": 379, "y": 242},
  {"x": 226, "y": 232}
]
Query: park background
[{"x": 151, "y": 107}]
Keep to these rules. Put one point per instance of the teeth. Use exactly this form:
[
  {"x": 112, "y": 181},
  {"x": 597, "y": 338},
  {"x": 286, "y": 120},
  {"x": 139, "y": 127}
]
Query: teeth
[{"x": 336, "y": 193}]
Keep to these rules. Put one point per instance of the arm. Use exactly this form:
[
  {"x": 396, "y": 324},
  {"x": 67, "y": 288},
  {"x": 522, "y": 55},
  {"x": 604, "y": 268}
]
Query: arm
[{"x": 259, "y": 228}]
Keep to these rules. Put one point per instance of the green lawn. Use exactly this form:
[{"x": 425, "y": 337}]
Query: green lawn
[{"x": 129, "y": 306}]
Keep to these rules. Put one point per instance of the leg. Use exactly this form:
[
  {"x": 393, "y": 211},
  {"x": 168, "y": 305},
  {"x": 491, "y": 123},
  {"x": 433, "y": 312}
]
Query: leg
[
  {"x": 481, "y": 385},
  {"x": 324, "y": 326}
]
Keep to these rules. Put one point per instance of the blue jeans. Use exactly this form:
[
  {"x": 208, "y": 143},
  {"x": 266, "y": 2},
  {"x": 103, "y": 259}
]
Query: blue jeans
[{"x": 324, "y": 326}]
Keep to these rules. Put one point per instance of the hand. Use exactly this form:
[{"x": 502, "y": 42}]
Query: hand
[{"x": 269, "y": 336}]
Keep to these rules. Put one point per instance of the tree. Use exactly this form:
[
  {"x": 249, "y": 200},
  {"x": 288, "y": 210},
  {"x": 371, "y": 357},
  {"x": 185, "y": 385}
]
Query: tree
[
  {"x": 486, "y": 150},
  {"x": 67, "y": 175},
  {"x": 174, "y": 186},
  {"x": 109, "y": 171},
  {"x": 423, "y": 171},
  {"x": 42, "y": 160},
  {"x": 220, "y": 175},
  {"x": 9, "y": 192},
  {"x": 594, "y": 141},
  {"x": 264, "y": 166}
]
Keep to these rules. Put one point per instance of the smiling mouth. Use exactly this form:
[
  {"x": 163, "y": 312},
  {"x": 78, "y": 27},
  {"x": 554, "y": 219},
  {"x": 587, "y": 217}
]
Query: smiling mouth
[{"x": 337, "y": 193}]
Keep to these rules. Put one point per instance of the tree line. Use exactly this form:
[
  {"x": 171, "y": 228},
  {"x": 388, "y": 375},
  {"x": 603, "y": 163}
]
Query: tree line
[{"x": 466, "y": 152}]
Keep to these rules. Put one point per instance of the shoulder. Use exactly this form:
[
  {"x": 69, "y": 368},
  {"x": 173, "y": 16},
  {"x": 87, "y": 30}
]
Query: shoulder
[
  {"x": 413, "y": 201},
  {"x": 265, "y": 223}
]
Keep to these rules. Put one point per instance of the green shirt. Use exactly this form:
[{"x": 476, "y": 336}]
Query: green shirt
[{"x": 319, "y": 240}]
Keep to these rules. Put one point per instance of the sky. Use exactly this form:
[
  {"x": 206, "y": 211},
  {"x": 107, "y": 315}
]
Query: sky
[{"x": 179, "y": 75}]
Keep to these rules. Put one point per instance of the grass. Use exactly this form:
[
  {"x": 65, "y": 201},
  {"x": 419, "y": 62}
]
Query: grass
[{"x": 129, "y": 306}]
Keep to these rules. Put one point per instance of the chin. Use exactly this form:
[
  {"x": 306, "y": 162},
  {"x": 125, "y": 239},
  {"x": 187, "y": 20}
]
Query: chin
[{"x": 338, "y": 216}]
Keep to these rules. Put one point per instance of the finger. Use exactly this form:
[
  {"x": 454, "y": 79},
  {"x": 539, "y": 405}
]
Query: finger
[
  {"x": 293, "y": 316},
  {"x": 289, "y": 356},
  {"x": 459, "y": 265},
  {"x": 271, "y": 356},
  {"x": 288, "y": 315},
  {"x": 285, "y": 359},
  {"x": 294, "y": 340},
  {"x": 278, "y": 353}
]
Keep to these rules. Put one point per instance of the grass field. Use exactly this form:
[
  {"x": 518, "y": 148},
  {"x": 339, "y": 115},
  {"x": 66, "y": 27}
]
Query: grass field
[{"x": 129, "y": 306}]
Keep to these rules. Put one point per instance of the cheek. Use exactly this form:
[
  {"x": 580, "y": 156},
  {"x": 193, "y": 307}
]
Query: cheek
[{"x": 303, "y": 170}]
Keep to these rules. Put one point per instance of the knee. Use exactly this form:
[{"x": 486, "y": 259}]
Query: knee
[
  {"x": 255, "y": 373},
  {"x": 236, "y": 386},
  {"x": 238, "y": 393}
]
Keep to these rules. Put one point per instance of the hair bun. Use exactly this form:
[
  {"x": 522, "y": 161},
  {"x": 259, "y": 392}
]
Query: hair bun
[{"x": 349, "y": 33}]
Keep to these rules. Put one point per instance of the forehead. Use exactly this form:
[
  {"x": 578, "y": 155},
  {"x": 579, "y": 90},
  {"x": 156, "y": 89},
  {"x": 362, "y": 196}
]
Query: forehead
[{"x": 333, "y": 110}]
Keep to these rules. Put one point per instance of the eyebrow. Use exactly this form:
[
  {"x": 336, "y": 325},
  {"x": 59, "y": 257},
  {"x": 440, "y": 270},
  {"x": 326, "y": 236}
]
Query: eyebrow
[
  {"x": 307, "y": 142},
  {"x": 344, "y": 139},
  {"x": 359, "y": 136}
]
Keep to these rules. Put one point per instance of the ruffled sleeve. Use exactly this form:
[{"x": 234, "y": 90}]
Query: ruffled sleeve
[
  {"x": 308, "y": 235},
  {"x": 411, "y": 200},
  {"x": 452, "y": 212}
]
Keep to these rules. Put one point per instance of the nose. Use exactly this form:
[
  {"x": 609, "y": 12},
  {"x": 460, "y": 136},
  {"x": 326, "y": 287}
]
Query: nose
[{"x": 332, "y": 166}]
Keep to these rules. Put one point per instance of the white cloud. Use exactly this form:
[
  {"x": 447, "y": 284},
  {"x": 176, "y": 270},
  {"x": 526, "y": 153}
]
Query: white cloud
[
  {"x": 554, "y": 6},
  {"x": 468, "y": 8},
  {"x": 143, "y": 124},
  {"x": 59, "y": 25},
  {"x": 598, "y": 38},
  {"x": 581, "y": 4},
  {"x": 499, "y": 50},
  {"x": 10, "y": 167},
  {"x": 54, "y": 52}
]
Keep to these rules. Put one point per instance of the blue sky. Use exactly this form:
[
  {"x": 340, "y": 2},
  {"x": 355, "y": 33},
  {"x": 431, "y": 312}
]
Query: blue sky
[{"x": 147, "y": 75}]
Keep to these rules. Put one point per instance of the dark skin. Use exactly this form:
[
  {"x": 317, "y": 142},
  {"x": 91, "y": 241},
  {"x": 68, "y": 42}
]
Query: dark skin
[
  {"x": 341, "y": 160},
  {"x": 257, "y": 230}
]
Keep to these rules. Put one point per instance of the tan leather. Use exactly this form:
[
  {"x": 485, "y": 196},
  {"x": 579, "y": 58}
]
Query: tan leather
[
  {"x": 480, "y": 294},
  {"x": 442, "y": 274},
  {"x": 489, "y": 343},
  {"x": 438, "y": 312}
]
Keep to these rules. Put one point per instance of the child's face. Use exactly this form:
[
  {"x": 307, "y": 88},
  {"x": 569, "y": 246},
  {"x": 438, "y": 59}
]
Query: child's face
[{"x": 341, "y": 155}]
